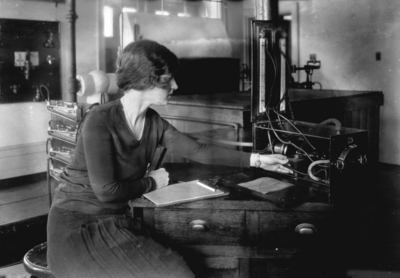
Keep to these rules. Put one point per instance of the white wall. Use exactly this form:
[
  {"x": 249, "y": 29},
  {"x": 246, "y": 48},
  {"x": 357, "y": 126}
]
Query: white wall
[
  {"x": 345, "y": 35},
  {"x": 23, "y": 126}
]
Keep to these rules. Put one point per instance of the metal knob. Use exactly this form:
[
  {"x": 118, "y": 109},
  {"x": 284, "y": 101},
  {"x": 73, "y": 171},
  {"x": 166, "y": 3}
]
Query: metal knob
[
  {"x": 306, "y": 229},
  {"x": 198, "y": 225}
]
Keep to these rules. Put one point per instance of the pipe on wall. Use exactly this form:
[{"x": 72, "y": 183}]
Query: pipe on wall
[
  {"x": 266, "y": 9},
  {"x": 72, "y": 85}
]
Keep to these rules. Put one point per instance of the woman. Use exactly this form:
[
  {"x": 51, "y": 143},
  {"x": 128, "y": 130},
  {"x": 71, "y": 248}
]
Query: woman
[{"x": 89, "y": 232}]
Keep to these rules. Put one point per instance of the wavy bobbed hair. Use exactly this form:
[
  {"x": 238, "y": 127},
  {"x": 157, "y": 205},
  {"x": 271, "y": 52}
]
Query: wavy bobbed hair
[{"x": 145, "y": 64}]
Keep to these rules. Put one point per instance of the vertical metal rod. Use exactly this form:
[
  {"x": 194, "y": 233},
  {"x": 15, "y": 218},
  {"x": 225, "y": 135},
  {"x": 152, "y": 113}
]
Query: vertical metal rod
[
  {"x": 72, "y": 86},
  {"x": 262, "y": 74},
  {"x": 266, "y": 9},
  {"x": 282, "y": 47}
]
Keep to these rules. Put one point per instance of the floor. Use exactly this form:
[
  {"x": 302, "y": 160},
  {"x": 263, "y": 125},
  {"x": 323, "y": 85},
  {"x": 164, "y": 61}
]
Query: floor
[
  {"x": 31, "y": 200},
  {"x": 19, "y": 203},
  {"x": 23, "y": 202}
]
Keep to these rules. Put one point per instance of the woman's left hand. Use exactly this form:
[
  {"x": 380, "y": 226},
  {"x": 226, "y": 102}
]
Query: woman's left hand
[{"x": 274, "y": 162}]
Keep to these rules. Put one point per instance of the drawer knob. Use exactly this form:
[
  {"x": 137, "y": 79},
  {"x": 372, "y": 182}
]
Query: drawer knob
[
  {"x": 198, "y": 225},
  {"x": 306, "y": 229}
]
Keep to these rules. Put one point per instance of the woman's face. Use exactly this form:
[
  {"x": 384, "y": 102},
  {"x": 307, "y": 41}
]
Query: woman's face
[{"x": 160, "y": 96}]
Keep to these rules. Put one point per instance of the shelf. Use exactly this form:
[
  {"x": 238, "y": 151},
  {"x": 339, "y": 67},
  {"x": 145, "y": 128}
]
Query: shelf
[
  {"x": 67, "y": 110},
  {"x": 63, "y": 157}
]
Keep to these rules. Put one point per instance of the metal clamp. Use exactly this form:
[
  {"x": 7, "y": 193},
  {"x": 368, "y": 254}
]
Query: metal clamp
[{"x": 341, "y": 161}]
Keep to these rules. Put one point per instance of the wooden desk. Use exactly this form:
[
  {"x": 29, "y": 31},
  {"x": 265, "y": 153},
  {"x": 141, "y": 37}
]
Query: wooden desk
[{"x": 240, "y": 237}]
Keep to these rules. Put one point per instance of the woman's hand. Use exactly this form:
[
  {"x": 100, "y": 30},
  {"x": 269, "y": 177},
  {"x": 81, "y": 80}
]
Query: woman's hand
[
  {"x": 271, "y": 162},
  {"x": 160, "y": 176}
]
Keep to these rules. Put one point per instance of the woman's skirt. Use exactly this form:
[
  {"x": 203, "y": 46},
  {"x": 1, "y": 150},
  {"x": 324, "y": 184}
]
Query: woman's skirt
[{"x": 84, "y": 245}]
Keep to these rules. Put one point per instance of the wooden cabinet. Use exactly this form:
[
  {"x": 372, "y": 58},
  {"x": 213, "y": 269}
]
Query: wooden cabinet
[{"x": 248, "y": 238}]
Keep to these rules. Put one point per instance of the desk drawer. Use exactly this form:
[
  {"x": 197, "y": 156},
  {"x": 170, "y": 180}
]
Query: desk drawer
[
  {"x": 278, "y": 229},
  {"x": 201, "y": 226}
]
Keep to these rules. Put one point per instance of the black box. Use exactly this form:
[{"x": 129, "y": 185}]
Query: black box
[{"x": 336, "y": 156}]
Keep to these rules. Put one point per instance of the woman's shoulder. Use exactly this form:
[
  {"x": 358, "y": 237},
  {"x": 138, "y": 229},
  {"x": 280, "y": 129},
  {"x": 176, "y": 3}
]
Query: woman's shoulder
[
  {"x": 104, "y": 112},
  {"x": 108, "y": 107}
]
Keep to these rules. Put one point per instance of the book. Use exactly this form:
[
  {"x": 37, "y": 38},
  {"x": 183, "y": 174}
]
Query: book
[{"x": 183, "y": 192}]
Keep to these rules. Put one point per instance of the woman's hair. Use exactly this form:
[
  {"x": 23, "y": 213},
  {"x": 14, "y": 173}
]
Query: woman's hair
[{"x": 145, "y": 64}]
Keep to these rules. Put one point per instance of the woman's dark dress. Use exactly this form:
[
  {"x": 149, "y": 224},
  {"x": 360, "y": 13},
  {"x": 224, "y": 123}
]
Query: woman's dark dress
[{"x": 89, "y": 233}]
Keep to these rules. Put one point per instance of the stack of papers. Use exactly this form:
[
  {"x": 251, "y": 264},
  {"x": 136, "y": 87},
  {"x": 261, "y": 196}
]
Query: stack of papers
[{"x": 182, "y": 193}]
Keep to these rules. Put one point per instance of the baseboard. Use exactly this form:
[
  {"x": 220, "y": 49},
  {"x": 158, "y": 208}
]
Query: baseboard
[
  {"x": 22, "y": 160},
  {"x": 23, "y": 180}
]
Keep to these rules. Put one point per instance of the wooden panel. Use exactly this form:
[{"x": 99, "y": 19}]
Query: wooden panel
[
  {"x": 348, "y": 119},
  {"x": 148, "y": 218},
  {"x": 252, "y": 227},
  {"x": 373, "y": 133},
  {"x": 236, "y": 261},
  {"x": 242, "y": 251},
  {"x": 223, "y": 227},
  {"x": 278, "y": 229},
  {"x": 358, "y": 102},
  {"x": 244, "y": 268},
  {"x": 221, "y": 262},
  {"x": 247, "y": 205},
  {"x": 356, "y": 119},
  {"x": 364, "y": 118}
]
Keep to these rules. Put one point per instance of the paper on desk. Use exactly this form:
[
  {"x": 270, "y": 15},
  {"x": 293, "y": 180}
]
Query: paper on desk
[
  {"x": 182, "y": 193},
  {"x": 266, "y": 185}
]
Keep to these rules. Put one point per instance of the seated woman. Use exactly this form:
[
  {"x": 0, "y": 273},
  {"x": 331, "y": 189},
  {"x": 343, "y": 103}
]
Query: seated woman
[{"x": 90, "y": 233}]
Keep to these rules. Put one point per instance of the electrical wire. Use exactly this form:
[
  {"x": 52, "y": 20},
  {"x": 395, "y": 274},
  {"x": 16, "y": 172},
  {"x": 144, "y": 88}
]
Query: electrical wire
[
  {"x": 336, "y": 122},
  {"x": 294, "y": 170},
  {"x": 305, "y": 138},
  {"x": 270, "y": 142},
  {"x": 320, "y": 85},
  {"x": 322, "y": 170},
  {"x": 312, "y": 165},
  {"x": 47, "y": 90},
  {"x": 287, "y": 142}
]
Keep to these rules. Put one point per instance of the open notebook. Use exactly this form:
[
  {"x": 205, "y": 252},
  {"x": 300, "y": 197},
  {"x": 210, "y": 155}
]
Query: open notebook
[{"x": 182, "y": 193}]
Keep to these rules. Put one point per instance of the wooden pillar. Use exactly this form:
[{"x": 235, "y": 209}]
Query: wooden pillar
[
  {"x": 72, "y": 85},
  {"x": 266, "y": 9}
]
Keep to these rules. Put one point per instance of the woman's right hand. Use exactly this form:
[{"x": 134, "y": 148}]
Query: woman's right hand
[{"x": 160, "y": 176}]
